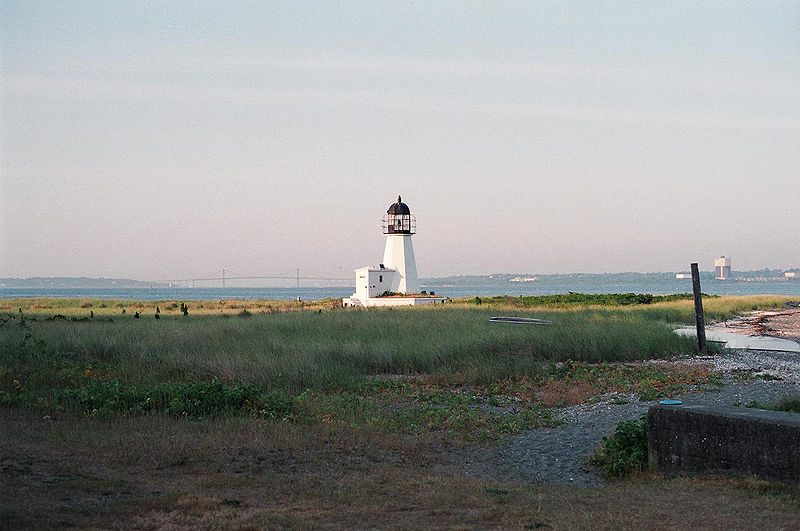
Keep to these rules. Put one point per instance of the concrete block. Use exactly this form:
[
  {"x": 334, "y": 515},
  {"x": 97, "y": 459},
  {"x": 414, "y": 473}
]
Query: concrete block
[{"x": 700, "y": 439}]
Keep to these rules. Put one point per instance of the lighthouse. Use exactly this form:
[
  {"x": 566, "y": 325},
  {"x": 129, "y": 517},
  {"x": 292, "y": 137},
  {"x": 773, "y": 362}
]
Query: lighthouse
[
  {"x": 394, "y": 282},
  {"x": 398, "y": 226}
]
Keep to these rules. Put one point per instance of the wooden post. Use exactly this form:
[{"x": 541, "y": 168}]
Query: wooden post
[{"x": 698, "y": 311}]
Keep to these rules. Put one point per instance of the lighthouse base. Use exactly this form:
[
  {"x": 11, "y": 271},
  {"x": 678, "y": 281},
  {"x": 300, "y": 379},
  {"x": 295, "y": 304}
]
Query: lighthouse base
[
  {"x": 378, "y": 302},
  {"x": 377, "y": 286}
]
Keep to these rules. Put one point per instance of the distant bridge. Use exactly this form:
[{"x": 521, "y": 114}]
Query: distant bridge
[{"x": 225, "y": 275}]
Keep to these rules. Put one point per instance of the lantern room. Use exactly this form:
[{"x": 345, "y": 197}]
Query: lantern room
[{"x": 398, "y": 219}]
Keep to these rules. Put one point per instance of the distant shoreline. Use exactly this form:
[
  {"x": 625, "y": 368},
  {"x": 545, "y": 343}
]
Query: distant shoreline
[
  {"x": 500, "y": 280},
  {"x": 515, "y": 289}
]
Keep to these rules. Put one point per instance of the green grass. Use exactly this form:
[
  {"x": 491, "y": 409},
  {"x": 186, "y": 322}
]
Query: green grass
[
  {"x": 298, "y": 350},
  {"x": 313, "y": 366},
  {"x": 583, "y": 299},
  {"x": 317, "y": 419},
  {"x": 790, "y": 404},
  {"x": 678, "y": 308}
]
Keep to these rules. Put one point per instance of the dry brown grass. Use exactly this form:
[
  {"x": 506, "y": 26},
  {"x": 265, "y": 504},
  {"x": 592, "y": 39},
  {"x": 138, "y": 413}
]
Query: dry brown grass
[
  {"x": 156, "y": 472},
  {"x": 80, "y": 307},
  {"x": 562, "y": 393}
]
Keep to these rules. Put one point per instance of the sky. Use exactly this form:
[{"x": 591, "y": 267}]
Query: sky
[{"x": 167, "y": 140}]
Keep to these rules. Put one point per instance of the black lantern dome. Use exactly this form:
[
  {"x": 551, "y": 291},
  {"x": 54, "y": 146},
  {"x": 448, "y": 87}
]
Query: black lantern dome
[
  {"x": 398, "y": 219},
  {"x": 399, "y": 208}
]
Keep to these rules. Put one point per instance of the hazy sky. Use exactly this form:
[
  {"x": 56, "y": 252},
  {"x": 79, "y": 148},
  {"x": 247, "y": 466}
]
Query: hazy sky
[{"x": 168, "y": 139}]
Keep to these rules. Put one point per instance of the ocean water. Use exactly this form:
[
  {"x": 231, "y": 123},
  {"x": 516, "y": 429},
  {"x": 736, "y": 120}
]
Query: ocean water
[{"x": 540, "y": 287}]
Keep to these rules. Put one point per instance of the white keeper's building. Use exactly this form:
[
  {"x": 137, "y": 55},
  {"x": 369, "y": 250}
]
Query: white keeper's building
[{"x": 394, "y": 282}]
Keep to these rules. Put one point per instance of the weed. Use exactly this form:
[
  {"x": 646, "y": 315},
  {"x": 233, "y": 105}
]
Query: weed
[
  {"x": 406, "y": 408},
  {"x": 651, "y": 393},
  {"x": 749, "y": 375},
  {"x": 790, "y": 404},
  {"x": 495, "y": 490},
  {"x": 625, "y": 452},
  {"x": 108, "y": 398},
  {"x": 585, "y": 299}
]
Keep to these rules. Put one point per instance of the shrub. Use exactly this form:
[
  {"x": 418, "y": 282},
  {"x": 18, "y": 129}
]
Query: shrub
[
  {"x": 789, "y": 403},
  {"x": 196, "y": 399},
  {"x": 598, "y": 299},
  {"x": 625, "y": 452}
]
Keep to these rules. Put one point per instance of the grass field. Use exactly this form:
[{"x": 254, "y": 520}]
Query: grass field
[
  {"x": 332, "y": 414},
  {"x": 155, "y": 472}
]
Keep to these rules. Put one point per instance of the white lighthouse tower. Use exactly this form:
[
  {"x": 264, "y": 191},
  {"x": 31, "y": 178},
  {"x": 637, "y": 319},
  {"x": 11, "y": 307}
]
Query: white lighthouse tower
[
  {"x": 394, "y": 282},
  {"x": 398, "y": 226}
]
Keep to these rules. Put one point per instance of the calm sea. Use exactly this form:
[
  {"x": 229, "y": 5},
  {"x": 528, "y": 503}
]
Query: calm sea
[{"x": 541, "y": 287}]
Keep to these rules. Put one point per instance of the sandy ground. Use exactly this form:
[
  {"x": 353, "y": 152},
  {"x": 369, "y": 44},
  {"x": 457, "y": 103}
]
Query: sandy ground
[{"x": 778, "y": 323}]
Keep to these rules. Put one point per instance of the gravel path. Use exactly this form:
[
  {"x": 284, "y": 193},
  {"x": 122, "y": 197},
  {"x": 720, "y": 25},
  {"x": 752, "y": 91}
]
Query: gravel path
[{"x": 558, "y": 455}]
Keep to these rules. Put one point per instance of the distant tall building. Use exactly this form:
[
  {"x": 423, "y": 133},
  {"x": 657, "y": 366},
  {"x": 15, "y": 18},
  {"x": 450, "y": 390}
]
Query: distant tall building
[{"x": 722, "y": 268}]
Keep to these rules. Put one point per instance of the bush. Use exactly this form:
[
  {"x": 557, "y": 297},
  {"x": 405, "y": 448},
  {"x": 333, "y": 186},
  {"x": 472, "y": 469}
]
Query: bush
[
  {"x": 582, "y": 299},
  {"x": 199, "y": 399},
  {"x": 625, "y": 452},
  {"x": 789, "y": 403},
  {"x": 388, "y": 293}
]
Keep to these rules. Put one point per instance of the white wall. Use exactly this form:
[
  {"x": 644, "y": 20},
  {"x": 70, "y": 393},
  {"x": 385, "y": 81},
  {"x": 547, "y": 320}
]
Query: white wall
[
  {"x": 399, "y": 255},
  {"x": 381, "y": 280},
  {"x": 371, "y": 282},
  {"x": 362, "y": 283},
  {"x": 403, "y": 301}
]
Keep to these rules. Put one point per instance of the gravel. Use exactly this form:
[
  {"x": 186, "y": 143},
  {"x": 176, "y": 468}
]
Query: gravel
[{"x": 558, "y": 455}]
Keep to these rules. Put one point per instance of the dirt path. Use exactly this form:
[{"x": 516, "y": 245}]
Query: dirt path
[{"x": 558, "y": 455}]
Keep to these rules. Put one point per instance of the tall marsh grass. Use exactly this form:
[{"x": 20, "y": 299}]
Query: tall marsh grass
[
  {"x": 331, "y": 350},
  {"x": 299, "y": 350}
]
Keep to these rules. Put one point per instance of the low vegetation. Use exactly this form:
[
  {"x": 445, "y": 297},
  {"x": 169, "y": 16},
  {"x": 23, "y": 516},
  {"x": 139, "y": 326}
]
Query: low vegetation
[
  {"x": 157, "y": 472},
  {"x": 113, "y": 308},
  {"x": 318, "y": 401},
  {"x": 677, "y": 308},
  {"x": 388, "y": 293},
  {"x": 584, "y": 299},
  {"x": 625, "y": 452},
  {"x": 208, "y": 364},
  {"x": 291, "y": 352},
  {"x": 790, "y": 404}
]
